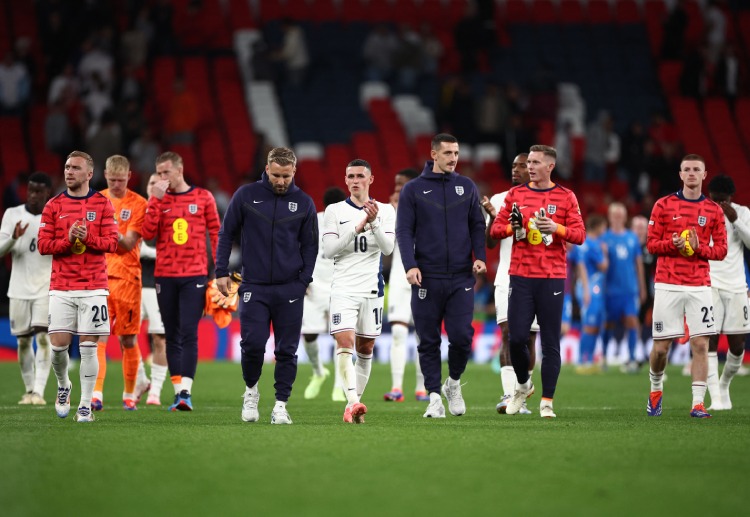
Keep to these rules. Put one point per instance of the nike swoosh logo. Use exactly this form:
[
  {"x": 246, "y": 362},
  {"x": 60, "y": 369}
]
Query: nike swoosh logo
[
  {"x": 89, "y": 376},
  {"x": 468, "y": 288},
  {"x": 709, "y": 326},
  {"x": 292, "y": 301},
  {"x": 676, "y": 217},
  {"x": 522, "y": 207},
  {"x": 167, "y": 210},
  {"x": 199, "y": 285},
  {"x": 256, "y": 202},
  {"x": 557, "y": 292},
  {"x": 97, "y": 325},
  {"x": 64, "y": 216},
  {"x": 343, "y": 222},
  {"x": 426, "y": 191}
]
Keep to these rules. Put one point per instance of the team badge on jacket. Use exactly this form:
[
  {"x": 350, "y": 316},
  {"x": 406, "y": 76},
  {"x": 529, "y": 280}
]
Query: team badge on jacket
[
  {"x": 91, "y": 216},
  {"x": 702, "y": 220},
  {"x": 460, "y": 191},
  {"x": 193, "y": 208},
  {"x": 246, "y": 297},
  {"x": 422, "y": 293},
  {"x": 292, "y": 206}
]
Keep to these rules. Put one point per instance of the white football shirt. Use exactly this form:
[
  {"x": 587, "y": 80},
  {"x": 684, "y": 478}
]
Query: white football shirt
[
  {"x": 357, "y": 260},
  {"x": 729, "y": 274},
  {"x": 502, "y": 277},
  {"x": 323, "y": 272},
  {"x": 31, "y": 271}
]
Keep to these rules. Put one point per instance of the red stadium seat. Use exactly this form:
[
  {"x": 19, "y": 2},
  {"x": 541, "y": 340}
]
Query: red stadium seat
[
  {"x": 516, "y": 11},
  {"x": 571, "y": 11},
  {"x": 599, "y": 11},
  {"x": 627, "y": 11},
  {"x": 669, "y": 77},
  {"x": 543, "y": 11}
]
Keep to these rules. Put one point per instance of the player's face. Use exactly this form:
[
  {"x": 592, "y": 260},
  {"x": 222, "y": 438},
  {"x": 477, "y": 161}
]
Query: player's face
[
  {"x": 640, "y": 227},
  {"x": 520, "y": 170},
  {"x": 446, "y": 157},
  {"x": 77, "y": 173},
  {"x": 692, "y": 173},
  {"x": 171, "y": 172},
  {"x": 720, "y": 198},
  {"x": 37, "y": 195},
  {"x": 280, "y": 176},
  {"x": 358, "y": 180},
  {"x": 117, "y": 181},
  {"x": 151, "y": 182},
  {"x": 540, "y": 166},
  {"x": 617, "y": 216}
]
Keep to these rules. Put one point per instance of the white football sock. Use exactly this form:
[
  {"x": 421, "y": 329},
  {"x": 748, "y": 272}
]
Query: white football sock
[
  {"x": 399, "y": 334},
  {"x": 730, "y": 368},
  {"x": 88, "y": 371},
  {"x": 508, "y": 379},
  {"x": 420, "y": 376},
  {"x": 712, "y": 381},
  {"x": 699, "y": 392},
  {"x": 158, "y": 376},
  {"x": 26, "y": 361},
  {"x": 312, "y": 350},
  {"x": 60, "y": 360},
  {"x": 142, "y": 378},
  {"x": 187, "y": 384},
  {"x": 345, "y": 368},
  {"x": 362, "y": 367},
  {"x": 657, "y": 380},
  {"x": 42, "y": 362}
]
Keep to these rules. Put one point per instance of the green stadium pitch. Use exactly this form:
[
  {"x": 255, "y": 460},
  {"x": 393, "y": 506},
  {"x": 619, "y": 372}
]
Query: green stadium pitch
[{"x": 601, "y": 456}]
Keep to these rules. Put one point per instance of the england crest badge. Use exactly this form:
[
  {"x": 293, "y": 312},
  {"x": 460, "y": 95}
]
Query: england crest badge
[
  {"x": 246, "y": 297},
  {"x": 702, "y": 220},
  {"x": 292, "y": 206},
  {"x": 422, "y": 293},
  {"x": 193, "y": 208},
  {"x": 91, "y": 216},
  {"x": 460, "y": 190}
]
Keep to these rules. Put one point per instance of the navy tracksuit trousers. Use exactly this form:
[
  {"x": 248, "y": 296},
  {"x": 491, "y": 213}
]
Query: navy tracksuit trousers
[
  {"x": 438, "y": 301},
  {"x": 543, "y": 298},
  {"x": 181, "y": 302},
  {"x": 260, "y": 307}
]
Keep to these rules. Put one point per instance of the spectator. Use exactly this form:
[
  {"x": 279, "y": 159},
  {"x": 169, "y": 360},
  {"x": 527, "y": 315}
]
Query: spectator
[
  {"x": 378, "y": 51},
  {"x": 15, "y": 85},
  {"x": 131, "y": 121},
  {"x": 564, "y": 147},
  {"x": 95, "y": 67},
  {"x": 716, "y": 29},
  {"x": 492, "y": 113},
  {"x": 137, "y": 41},
  {"x": 182, "y": 118},
  {"x": 674, "y": 32},
  {"x": 57, "y": 130},
  {"x": 432, "y": 49},
  {"x": 164, "y": 38},
  {"x": 516, "y": 139},
  {"x": 143, "y": 152},
  {"x": 97, "y": 101},
  {"x": 468, "y": 38},
  {"x": 599, "y": 143},
  {"x": 693, "y": 77},
  {"x": 293, "y": 52},
  {"x": 104, "y": 141},
  {"x": 632, "y": 161},
  {"x": 727, "y": 75},
  {"x": 408, "y": 58},
  {"x": 64, "y": 84}
]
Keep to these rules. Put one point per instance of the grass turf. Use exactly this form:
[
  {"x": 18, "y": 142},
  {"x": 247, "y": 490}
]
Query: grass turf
[{"x": 601, "y": 455}]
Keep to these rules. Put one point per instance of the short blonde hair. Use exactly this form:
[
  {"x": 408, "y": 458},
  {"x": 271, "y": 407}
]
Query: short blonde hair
[
  {"x": 172, "y": 156},
  {"x": 117, "y": 162},
  {"x": 282, "y": 156},
  {"x": 87, "y": 158}
]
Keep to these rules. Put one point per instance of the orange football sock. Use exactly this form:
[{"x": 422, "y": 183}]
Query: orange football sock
[
  {"x": 129, "y": 368},
  {"x": 101, "y": 355}
]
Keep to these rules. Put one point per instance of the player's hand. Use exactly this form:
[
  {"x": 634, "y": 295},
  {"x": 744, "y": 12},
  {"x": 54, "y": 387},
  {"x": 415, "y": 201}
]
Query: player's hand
[
  {"x": 479, "y": 267},
  {"x": 371, "y": 209},
  {"x": 729, "y": 211},
  {"x": 19, "y": 230},
  {"x": 678, "y": 241},
  {"x": 693, "y": 238},
  {"x": 414, "y": 276},
  {"x": 77, "y": 231},
  {"x": 160, "y": 188},
  {"x": 223, "y": 284},
  {"x": 543, "y": 223},
  {"x": 516, "y": 218},
  {"x": 488, "y": 207}
]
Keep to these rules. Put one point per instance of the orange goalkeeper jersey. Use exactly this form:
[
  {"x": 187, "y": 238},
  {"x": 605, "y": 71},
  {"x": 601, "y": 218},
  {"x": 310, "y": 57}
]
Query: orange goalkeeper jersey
[{"x": 129, "y": 213}]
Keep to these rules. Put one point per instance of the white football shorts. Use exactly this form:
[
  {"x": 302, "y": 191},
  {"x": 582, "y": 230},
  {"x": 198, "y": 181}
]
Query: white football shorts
[
  {"x": 730, "y": 312},
  {"x": 362, "y": 315},
  {"x": 673, "y": 308},
  {"x": 315, "y": 310},
  {"x": 81, "y": 315},
  {"x": 27, "y": 314},
  {"x": 399, "y": 305}
]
